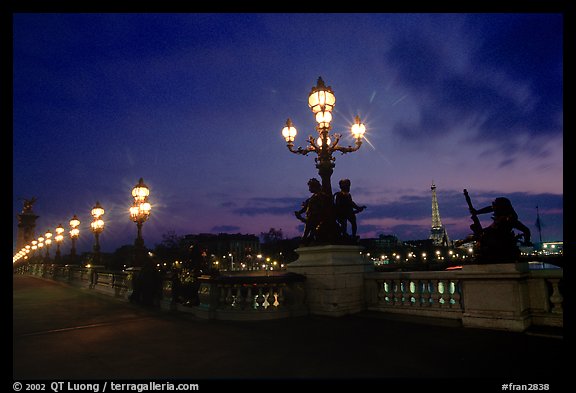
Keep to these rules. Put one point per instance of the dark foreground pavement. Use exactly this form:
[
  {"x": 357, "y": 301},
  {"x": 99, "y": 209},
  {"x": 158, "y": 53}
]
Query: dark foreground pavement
[{"x": 66, "y": 333}]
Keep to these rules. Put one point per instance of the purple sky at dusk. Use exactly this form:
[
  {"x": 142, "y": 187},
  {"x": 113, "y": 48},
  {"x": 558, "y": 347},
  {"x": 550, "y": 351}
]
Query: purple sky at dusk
[{"x": 195, "y": 103}]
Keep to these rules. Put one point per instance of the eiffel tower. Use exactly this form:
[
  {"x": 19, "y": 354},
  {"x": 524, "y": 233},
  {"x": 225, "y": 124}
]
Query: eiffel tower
[{"x": 438, "y": 233}]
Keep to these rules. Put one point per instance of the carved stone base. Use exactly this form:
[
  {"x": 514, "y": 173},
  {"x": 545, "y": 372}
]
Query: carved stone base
[{"x": 334, "y": 278}]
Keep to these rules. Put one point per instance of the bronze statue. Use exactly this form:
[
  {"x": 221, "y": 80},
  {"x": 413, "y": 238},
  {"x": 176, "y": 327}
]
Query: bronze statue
[
  {"x": 318, "y": 211},
  {"x": 346, "y": 210},
  {"x": 28, "y": 203},
  {"x": 497, "y": 243}
]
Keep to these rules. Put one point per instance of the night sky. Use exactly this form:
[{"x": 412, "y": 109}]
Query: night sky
[{"x": 195, "y": 104}]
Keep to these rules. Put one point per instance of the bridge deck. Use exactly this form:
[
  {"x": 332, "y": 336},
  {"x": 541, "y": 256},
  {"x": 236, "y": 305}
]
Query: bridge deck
[{"x": 61, "y": 332}]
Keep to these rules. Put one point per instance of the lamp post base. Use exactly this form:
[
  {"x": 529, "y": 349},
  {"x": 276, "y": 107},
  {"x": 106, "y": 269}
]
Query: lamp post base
[{"x": 334, "y": 278}]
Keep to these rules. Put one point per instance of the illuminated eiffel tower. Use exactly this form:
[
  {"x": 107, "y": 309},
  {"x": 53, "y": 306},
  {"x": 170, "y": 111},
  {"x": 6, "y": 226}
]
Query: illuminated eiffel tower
[{"x": 438, "y": 233}]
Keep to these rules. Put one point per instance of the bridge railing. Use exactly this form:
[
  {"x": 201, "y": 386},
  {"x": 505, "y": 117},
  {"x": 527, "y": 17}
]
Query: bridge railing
[
  {"x": 251, "y": 297},
  {"x": 221, "y": 297},
  {"x": 510, "y": 297},
  {"x": 435, "y": 294},
  {"x": 506, "y": 296}
]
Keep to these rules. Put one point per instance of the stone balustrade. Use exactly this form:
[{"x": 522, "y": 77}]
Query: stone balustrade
[
  {"x": 499, "y": 296},
  {"x": 251, "y": 297},
  {"x": 434, "y": 294},
  {"x": 255, "y": 297}
]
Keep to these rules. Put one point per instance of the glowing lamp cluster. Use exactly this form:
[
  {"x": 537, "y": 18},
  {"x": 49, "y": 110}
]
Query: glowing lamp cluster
[
  {"x": 97, "y": 225},
  {"x": 139, "y": 212},
  {"x": 74, "y": 224},
  {"x": 322, "y": 101},
  {"x": 289, "y": 132},
  {"x": 48, "y": 237},
  {"x": 140, "y": 209},
  {"x": 48, "y": 242},
  {"x": 59, "y": 233}
]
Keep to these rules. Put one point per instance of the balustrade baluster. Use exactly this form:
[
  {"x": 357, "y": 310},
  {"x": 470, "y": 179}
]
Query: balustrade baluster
[
  {"x": 381, "y": 285},
  {"x": 249, "y": 298},
  {"x": 229, "y": 296},
  {"x": 238, "y": 299},
  {"x": 260, "y": 298},
  {"x": 389, "y": 292},
  {"x": 409, "y": 285},
  {"x": 556, "y": 298},
  {"x": 273, "y": 293},
  {"x": 435, "y": 295},
  {"x": 405, "y": 291},
  {"x": 397, "y": 285},
  {"x": 427, "y": 295},
  {"x": 455, "y": 294},
  {"x": 280, "y": 298},
  {"x": 420, "y": 293},
  {"x": 445, "y": 294}
]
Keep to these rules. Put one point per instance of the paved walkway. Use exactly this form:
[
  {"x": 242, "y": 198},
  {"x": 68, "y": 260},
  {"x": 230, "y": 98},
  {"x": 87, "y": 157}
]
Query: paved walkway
[{"x": 63, "y": 333}]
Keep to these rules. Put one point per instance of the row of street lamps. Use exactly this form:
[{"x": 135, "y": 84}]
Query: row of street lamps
[
  {"x": 321, "y": 101},
  {"x": 139, "y": 213}
]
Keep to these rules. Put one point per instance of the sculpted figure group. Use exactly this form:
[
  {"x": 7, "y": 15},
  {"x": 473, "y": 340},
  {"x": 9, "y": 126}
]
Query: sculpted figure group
[{"x": 326, "y": 216}]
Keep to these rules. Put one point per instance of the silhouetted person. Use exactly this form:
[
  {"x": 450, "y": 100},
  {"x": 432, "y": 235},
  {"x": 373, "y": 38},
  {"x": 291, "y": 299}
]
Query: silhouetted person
[
  {"x": 346, "y": 209},
  {"x": 317, "y": 209}
]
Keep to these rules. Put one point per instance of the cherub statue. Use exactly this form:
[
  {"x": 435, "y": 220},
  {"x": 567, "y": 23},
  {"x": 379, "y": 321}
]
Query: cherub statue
[
  {"x": 346, "y": 209},
  {"x": 316, "y": 209}
]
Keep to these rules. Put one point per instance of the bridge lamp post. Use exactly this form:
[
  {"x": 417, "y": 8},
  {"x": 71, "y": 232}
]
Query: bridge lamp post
[
  {"x": 74, "y": 234},
  {"x": 97, "y": 226},
  {"x": 27, "y": 251},
  {"x": 34, "y": 248},
  {"x": 40, "y": 246},
  {"x": 139, "y": 213},
  {"x": 321, "y": 101},
  {"x": 58, "y": 238},
  {"x": 48, "y": 242}
]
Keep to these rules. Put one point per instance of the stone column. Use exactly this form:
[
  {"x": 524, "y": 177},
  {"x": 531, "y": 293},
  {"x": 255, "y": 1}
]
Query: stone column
[
  {"x": 495, "y": 296},
  {"x": 334, "y": 278}
]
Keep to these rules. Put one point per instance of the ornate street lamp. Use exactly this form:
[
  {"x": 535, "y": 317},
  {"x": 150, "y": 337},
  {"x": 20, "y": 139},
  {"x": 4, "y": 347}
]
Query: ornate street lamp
[
  {"x": 139, "y": 213},
  {"x": 26, "y": 250},
  {"x": 97, "y": 226},
  {"x": 34, "y": 247},
  {"x": 321, "y": 101},
  {"x": 74, "y": 234},
  {"x": 58, "y": 238},
  {"x": 48, "y": 242}
]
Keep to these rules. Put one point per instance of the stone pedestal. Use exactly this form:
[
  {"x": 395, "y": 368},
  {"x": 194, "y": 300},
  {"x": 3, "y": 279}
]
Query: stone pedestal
[
  {"x": 496, "y": 296},
  {"x": 334, "y": 278}
]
